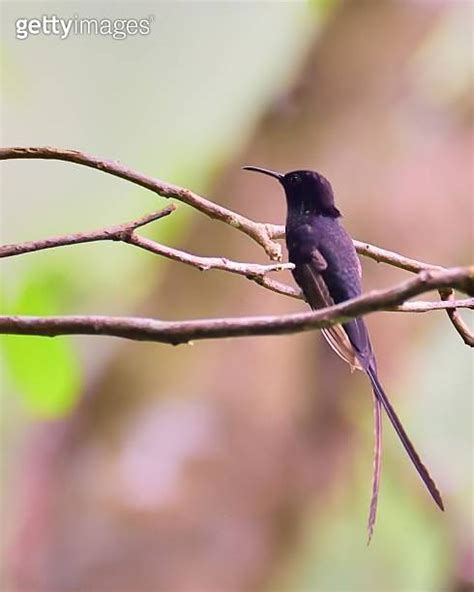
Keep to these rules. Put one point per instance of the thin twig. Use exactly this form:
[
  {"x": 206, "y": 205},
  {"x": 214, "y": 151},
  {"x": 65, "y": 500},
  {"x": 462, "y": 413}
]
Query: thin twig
[
  {"x": 126, "y": 233},
  {"x": 118, "y": 232},
  {"x": 372, "y": 252},
  {"x": 384, "y": 256},
  {"x": 429, "y": 306},
  {"x": 252, "y": 271},
  {"x": 256, "y": 230},
  {"x": 264, "y": 234},
  {"x": 456, "y": 319},
  {"x": 175, "y": 333}
]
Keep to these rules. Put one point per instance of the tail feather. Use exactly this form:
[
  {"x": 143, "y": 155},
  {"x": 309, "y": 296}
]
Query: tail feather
[
  {"x": 405, "y": 440},
  {"x": 377, "y": 467}
]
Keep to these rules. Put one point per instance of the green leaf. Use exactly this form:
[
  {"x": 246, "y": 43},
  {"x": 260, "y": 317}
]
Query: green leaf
[{"x": 45, "y": 371}]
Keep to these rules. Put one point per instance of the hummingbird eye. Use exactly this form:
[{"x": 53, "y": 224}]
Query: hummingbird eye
[{"x": 295, "y": 178}]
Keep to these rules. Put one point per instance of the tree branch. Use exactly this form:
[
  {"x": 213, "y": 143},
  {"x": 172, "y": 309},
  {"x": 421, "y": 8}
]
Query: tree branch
[
  {"x": 456, "y": 319},
  {"x": 119, "y": 232},
  {"x": 372, "y": 252},
  {"x": 256, "y": 230},
  {"x": 183, "y": 332},
  {"x": 428, "y": 306},
  {"x": 126, "y": 233},
  {"x": 264, "y": 234}
]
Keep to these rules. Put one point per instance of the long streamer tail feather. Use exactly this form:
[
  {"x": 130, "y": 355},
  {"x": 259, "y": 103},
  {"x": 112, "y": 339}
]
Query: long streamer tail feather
[
  {"x": 405, "y": 440},
  {"x": 377, "y": 467}
]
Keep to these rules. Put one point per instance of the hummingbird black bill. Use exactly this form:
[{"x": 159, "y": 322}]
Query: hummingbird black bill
[{"x": 268, "y": 172}]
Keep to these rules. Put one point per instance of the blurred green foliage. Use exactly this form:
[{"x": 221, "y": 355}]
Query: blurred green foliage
[{"x": 45, "y": 372}]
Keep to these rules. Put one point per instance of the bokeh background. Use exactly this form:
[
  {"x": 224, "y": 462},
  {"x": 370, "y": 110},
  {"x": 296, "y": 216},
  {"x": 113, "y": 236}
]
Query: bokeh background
[{"x": 236, "y": 465}]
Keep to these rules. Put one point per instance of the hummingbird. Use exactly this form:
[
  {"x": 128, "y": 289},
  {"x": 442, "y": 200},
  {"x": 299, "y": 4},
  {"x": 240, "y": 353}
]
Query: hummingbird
[{"x": 328, "y": 271}]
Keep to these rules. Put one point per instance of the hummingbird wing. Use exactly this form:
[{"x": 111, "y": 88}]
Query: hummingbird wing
[{"x": 308, "y": 277}]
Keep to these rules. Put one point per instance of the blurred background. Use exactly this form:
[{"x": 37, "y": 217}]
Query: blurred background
[{"x": 236, "y": 465}]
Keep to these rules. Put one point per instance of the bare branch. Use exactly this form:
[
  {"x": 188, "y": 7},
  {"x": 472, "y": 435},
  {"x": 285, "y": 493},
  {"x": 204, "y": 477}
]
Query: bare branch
[
  {"x": 372, "y": 252},
  {"x": 252, "y": 271},
  {"x": 384, "y": 256},
  {"x": 175, "y": 333},
  {"x": 263, "y": 234},
  {"x": 114, "y": 233},
  {"x": 428, "y": 306},
  {"x": 456, "y": 319},
  {"x": 256, "y": 230},
  {"x": 126, "y": 233}
]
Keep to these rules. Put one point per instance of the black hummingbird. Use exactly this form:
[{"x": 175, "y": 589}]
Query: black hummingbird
[{"x": 328, "y": 271}]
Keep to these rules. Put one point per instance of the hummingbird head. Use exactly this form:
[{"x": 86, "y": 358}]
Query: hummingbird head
[{"x": 306, "y": 191}]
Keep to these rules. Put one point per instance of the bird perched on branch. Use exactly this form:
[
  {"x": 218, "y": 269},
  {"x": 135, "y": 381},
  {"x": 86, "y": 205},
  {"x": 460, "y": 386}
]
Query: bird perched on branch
[{"x": 328, "y": 271}]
